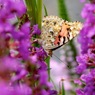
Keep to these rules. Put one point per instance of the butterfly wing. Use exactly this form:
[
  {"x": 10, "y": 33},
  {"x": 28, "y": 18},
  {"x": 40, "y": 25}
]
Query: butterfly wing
[
  {"x": 56, "y": 32},
  {"x": 51, "y": 25}
]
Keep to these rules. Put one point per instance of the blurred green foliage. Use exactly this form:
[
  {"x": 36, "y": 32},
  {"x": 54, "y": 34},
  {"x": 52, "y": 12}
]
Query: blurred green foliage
[{"x": 34, "y": 11}]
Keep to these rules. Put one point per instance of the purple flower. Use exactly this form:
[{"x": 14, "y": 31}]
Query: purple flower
[
  {"x": 42, "y": 65},
  {"x": 20, "y": 75},
  {"x": 86, "y": 60},
  {"x": 89, "y": 80},
  {"x": 44, "y": 92},
  {"x": 23, "y": 38},
  {"x": 23, "y": 70},
  {"x": 36, "y": 30},
  {"x": 8, "y": 63},
  {"x": 34, "y": 59},
  {"x": 22, "y": 33},
  {"x": 78, "y": 81},
  {"x": 79, "y": 92},
  {"x": 9, "y": 7},
  {"x": 24, "y": 48},
  {"x": 84, "y": 40},
  {"x": 6, "y": 89},
  {"x": 91, "y": 54},
  {"x": 17, "y": 7},
  {"x": 41, "y": 53},
  {"x": 88, "y": 8},
  {"x": 43, "y": 77},
  {"x": 22, "y": 89},
  {"x": 82, "y": 60},
  {"x": 53, "y": 92}
]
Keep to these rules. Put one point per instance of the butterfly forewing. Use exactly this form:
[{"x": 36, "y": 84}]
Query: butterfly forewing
[{"x": 56, "y": 32}]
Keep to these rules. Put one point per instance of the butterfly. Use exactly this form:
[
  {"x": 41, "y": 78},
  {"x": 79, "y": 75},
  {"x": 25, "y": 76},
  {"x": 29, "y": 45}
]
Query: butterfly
[{"x": 56, "y": 32}]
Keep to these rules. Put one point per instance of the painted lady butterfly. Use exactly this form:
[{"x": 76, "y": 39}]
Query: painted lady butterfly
[{"x": 56, "y": 32}]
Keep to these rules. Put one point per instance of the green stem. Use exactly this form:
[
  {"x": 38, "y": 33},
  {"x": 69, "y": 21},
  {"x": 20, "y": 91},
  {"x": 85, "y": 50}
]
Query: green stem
[
  {"x": 63, "y": 90},
  {"x": 39, "y": 16},
  {"x": 31, "y": 10},
  {"x": 48, "y": 63},
  {"x": 53, "y": 84}
]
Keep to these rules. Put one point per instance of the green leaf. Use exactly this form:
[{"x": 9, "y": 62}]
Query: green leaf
[
  {"x": 45, "y": 10},
  {"x": 62, "y": 9},
  {"x": 31, "y": 10}
]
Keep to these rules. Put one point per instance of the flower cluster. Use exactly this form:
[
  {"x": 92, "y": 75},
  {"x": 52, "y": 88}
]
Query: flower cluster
[
  {"x": 23, "y": 70},
  {"x": 86, "y": 60}
]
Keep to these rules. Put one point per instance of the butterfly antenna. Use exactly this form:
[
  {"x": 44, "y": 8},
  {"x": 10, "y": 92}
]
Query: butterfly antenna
[{"x": 61, "y": 61}]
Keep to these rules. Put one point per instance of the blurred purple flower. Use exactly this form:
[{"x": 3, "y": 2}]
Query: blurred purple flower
[
  {"x": 82, "y": 61},
  {"x": 6, "y": 89},
  {"x": 23, "y": 69},
  {"x": 43, "y": 77},
  {"x": 41, "y": 53},
  {"x": 79, "y": 92},
  {"x": 9, "y": 63},
  {"x": 22, "y": 89},
  {"x": 23, "y": 38},
  {"x": 9, "y": 7},
  {"x": 36, "y": 30},
  {"x": 44, "y": 92},
  {"x": 53, "y": 92},
  {"x": 78, "y": 81},
  {"x": 20, "y": 75},
  {"x": 22, "y": 33},
  {"x": 34, "y": 59},
  {"x": 86, "y": 60},
  {"x": 91, "y": 54}
]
